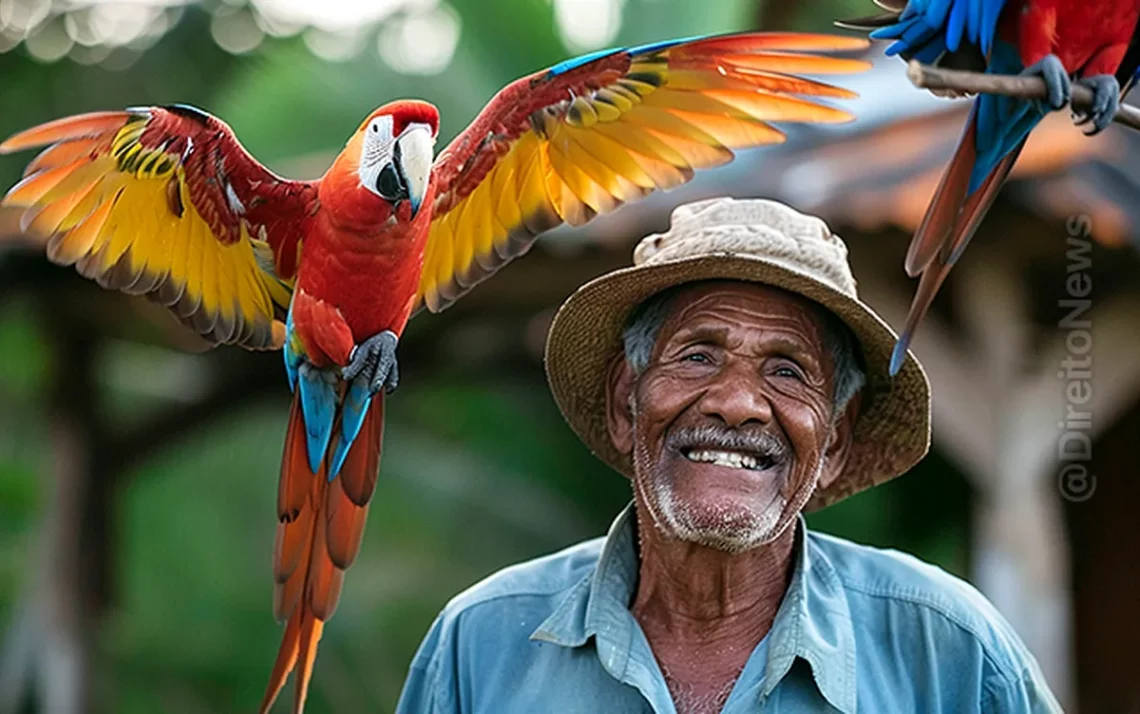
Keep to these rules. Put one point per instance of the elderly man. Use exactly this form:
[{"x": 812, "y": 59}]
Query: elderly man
[{"x": 734, "y": 376}]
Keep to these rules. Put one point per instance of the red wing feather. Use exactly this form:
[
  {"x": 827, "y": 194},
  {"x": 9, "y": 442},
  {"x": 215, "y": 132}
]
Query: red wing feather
[
  {"x": 351, "y": 491},
  {"x": 360, "y": 479}
]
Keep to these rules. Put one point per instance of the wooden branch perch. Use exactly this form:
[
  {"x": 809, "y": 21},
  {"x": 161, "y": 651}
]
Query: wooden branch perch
[{"x": 937, "y": 78}]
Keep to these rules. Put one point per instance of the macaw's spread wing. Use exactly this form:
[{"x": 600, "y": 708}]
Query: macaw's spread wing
[
  {"x": 165, "y": 202},
  {"x": 590, "y": 134}
]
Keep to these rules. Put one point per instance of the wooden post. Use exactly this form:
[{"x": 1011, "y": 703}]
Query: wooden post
[
  {"x": 1021, "y": 556},
  {"x": 998, "y": 400},
  {"x": 47, "y": 651}
]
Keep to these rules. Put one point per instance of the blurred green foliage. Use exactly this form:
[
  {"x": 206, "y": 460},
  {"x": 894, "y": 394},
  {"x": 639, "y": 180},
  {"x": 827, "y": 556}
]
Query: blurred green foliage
[{"x": 478, "y": 471}]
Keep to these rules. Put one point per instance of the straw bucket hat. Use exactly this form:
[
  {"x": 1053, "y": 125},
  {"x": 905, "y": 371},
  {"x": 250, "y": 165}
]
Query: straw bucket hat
[{"x": 760, "y": 241}]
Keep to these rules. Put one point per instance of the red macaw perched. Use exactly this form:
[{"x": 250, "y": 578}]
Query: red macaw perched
[
  {"x": 1058, "y": 40},
  {"x": 165, "y": 202}
]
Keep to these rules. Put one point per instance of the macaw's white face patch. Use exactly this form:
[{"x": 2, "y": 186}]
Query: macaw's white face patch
[
  {"x": 376, "y": 153},
  {"x": 397, "y": 167}
]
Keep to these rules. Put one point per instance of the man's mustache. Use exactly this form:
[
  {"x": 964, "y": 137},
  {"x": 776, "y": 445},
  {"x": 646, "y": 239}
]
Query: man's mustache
[{"x": 723, "y": 438}]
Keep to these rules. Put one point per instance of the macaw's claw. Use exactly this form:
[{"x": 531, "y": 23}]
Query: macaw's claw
[
  {"x": 1057, "y": 80},
  {"x": 375, "y": 361},
  {"x": 1106, "y": 100}
]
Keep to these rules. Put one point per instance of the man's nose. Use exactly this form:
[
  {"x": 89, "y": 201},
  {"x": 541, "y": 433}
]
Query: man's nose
[{"x": 736, "y": 397}]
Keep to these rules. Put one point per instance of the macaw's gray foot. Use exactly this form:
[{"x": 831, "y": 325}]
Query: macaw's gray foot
[
  {"x": 374, "y": 360},
  {"x": 1106, "y": 100},
  {"x": 1057, "y": 80}
]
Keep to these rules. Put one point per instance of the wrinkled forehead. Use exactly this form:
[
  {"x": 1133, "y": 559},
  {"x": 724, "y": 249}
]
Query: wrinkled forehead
[{"x": 744, "y": 305}]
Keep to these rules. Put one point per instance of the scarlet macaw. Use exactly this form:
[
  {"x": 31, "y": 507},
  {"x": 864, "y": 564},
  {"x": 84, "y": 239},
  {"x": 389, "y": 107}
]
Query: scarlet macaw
[
  {"x": 164, "y": 202},
  {"x": 1091, "y": 41}
]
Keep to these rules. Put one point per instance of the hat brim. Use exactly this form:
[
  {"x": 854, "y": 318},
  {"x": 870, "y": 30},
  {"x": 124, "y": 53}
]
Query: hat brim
[{"x": 892, "y": 432}]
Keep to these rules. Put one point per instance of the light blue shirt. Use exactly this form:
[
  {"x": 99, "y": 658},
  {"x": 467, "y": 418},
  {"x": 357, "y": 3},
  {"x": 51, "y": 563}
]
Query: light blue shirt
[{"x": 859, "y": 630}]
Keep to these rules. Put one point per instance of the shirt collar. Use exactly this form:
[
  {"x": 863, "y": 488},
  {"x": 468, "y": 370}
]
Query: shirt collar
[
  {"x": 601, "y": 597},
  {"x": 813, "y": 622}
]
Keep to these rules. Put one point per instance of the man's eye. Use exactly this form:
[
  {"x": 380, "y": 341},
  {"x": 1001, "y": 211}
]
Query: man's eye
[
  {"x": 696, "y": 357},
  {"x": 787, "y": 372}
]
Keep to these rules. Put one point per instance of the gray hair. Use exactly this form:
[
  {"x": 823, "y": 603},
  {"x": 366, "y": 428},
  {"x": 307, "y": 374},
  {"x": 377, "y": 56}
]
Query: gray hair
[{"x": 640, "y": 338}]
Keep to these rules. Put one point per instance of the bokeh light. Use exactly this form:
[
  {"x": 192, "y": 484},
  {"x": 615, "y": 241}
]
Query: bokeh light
[
  {"x": 49, "y": 41},
  {"x": 330, "y": 15},
  {"x": 86, "y": 32},
  {"x": 421, "y": 42},
  {"x": 588, "y": 24},
  {"x": 235, "y": 30},
  {"x": 412, "y": 36},
  {"x": 335, "y": 46}
]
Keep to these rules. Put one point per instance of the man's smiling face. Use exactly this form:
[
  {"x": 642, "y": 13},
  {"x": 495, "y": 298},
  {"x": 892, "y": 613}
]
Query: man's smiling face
[{"x": 731, "y": 419}]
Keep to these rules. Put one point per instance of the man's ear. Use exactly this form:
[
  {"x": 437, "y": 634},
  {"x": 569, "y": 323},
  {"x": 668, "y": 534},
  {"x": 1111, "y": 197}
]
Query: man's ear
[
  {"x": 619, "y": 416},
  {"x": 835, "y": 457}
]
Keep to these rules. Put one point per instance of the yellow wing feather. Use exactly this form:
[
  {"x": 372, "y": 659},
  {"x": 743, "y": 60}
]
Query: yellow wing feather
[
  {"x": 602, "y": 143},
  {"x": 483, "y": 226},
  {"x": 122, "y": 213}
]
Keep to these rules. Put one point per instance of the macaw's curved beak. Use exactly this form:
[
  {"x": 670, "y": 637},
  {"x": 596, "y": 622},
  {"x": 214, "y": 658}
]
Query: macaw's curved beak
[{"x": 413, "y": 158}]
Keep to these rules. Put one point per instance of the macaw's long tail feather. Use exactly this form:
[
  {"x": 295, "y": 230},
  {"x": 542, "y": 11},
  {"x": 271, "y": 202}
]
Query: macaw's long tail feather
[
  {"x": 942, "y": 213},
  {"x": 320, "y": 525},
  {"x": 950, "y": 223},
  {"x": 291, "y": 645},
  {"x": 351, "y": 492},
  {"x": 300, "y": 501}
]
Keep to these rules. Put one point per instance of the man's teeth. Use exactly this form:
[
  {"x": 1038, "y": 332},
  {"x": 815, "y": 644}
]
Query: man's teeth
[{"x": 733, "y": 459}]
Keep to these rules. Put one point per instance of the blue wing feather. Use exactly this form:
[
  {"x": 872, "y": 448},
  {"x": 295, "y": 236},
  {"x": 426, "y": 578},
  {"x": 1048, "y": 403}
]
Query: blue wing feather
[
  {"x": 936, "y": 10},
  {"x": 318, "y": 395},
  {"x": 991, "y": 11},
  {"x": 974, "y": 21},
  {"x": 293, "y": 352},
  {"x": 954, "y": 21},
  {"x": 575, "y": 62},
  {"x": 649, "y": 48},
  {"x": 955, "y": 25},
  {"x": 932, "y": 50},
  {"x": 318, "y": 404}
]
